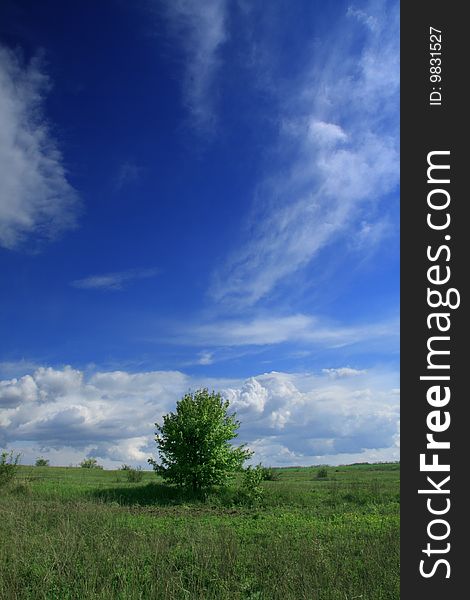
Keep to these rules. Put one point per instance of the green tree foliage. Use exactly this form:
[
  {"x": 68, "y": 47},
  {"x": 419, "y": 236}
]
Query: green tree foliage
[
  {"x": 8, "y": 466},
  {"x": 251, "y": 484},
  {"x": 90, "y": 463},
  {"x": 133, "y": 475},
  {"x": 194, "y": 442},
  {"x": 269, "y": 474},
  {"x": 41, "y": 462}
]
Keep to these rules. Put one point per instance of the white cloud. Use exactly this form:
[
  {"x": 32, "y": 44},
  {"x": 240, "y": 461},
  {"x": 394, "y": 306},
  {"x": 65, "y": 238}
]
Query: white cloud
[
  {"x": 268, "y": 330},
  {"x": 36, "y": 200},
  {"x": 113, "y": 281},
  {"x": 250, "y": 397},
  {"x": 286, "y": 418},
  {"x": 370, "y": 234},
  {"x": 363, "y": 17},
  {"x": 343, "y": 372},
  {"x": 52, "y": 382},
  {"x": 338, "y": 158},
  {"x": 325, "y": 133},
  {"x": 200, "y": 29},
  {"x": 312, "y": 416},
  {"x": 15, "y": 391},
  {"x": 205, "y": 358}
]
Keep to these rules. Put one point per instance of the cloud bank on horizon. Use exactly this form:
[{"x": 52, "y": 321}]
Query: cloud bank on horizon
[
  {"x": 287, "y": 418},
  {"x": 252, "y": 156}
]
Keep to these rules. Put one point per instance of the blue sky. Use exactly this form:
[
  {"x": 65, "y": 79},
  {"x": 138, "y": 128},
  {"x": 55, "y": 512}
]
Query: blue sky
[{"x": 199, "y": 194}]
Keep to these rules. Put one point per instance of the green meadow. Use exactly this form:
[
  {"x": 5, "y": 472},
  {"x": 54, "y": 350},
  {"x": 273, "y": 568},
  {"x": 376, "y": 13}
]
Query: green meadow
[{"x": 74, "y": 533}]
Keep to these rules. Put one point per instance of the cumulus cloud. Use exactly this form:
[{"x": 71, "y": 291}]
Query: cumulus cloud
[
  {"x": 15, "y": 391},
  {"x": 312, "y": 416},
  {"x": 36, "y": 200},
  {"x": 250, "y": 397},
  {"x": 60, "y": 407},
  {"x": 338, "y": 158},
  {"x": 200, "y": 29},
  {"x": 286, "y": 418},
  {"x": 113, "y": 281}
]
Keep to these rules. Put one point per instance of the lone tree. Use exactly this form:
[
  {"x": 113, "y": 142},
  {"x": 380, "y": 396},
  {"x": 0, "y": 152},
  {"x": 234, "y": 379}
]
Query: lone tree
[{"x": 193, "y": 443}]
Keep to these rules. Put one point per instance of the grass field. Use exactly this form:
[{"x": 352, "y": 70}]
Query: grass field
[{"x": 72, "y": 533}]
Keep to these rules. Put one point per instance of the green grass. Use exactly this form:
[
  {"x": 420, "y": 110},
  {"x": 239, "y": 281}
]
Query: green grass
[{"x": 71, "y": 533}]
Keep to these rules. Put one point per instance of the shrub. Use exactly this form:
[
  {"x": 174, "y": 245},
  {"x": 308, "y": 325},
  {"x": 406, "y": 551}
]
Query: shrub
[
  {"x": 41, "y": 462},
  {"x": 269, "y": 474},
  {"x": 22, "y": 488},
  {"x": 134, "y": 475},
  {"x": 322, "y": 473},
  {"x": 252, "y": 492},
  {"x": 8, "y": 466},
  {"x": 125, "y": 468},
  {"x": 90, "y": 463}
]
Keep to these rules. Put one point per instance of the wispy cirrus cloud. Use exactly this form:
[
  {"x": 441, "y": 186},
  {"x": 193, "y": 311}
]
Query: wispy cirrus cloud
[
  {"x": 113, "y": 281},
  {"x": 337, "y": 158},
  {"x": 205, "y": 358},
  {"x": 271, "y": 330},
  {"x": 200, "y": 30},
  {"x": 37, "y": 202}
]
